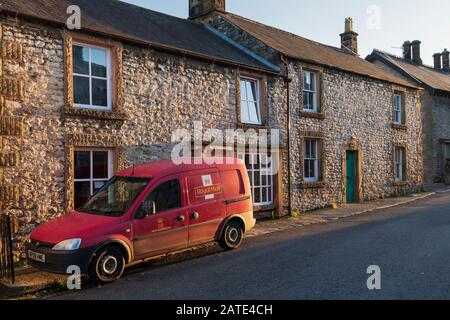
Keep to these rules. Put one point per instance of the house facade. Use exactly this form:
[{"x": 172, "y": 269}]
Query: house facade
[
  {"x": 79, "y": 105},
  {"x": 355, "y": 129},
  {"x": 435, "y": 103}
]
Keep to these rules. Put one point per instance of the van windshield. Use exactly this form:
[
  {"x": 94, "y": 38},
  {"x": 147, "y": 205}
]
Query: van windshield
[{"x": 116, "y": 197}]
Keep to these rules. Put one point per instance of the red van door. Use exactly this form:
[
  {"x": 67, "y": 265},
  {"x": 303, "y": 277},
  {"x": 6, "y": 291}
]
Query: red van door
[
  {"x": 206, "y": 206},
  {"x": 167, "y": 230}
]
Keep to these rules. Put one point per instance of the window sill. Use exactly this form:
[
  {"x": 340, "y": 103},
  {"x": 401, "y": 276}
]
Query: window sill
[
  {"x": 313, "y": 185},
  {"x": 94, "y": 114},
  {"x": 313, "y": 115},
  {"x": 259, "y": 208},
  {"x": 399, "y": 126},
  {"x": 400, "y": 183},
  {"x": 246, "y": 126}
]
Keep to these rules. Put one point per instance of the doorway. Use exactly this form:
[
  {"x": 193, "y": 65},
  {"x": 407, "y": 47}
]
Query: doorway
[{"x": 352, "y": 176}]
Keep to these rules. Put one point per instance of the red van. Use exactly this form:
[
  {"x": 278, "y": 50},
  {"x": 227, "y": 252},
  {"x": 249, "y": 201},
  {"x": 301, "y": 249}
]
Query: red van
[{"x": 146, "y": 211}]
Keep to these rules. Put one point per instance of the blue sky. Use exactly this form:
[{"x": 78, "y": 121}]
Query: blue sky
[{"x": 382, "y": 24}]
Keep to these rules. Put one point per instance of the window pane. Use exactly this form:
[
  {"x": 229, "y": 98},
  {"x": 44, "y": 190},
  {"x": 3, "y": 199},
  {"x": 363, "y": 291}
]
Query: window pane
[
  {"x": 81, "y": 90},
  {"x": 82, "y": 165},
  {"x": 309, "y": 81},
  {"x": 99, "y": 63},
  {"x": 167, "y": 196},
  {"x": 245, "y": 115},
  {"x": 257, "y": 196},
  {"x": 99, "y": 93},
  {"x": 251, "y": 91},
  {"x": 257, "y": 181},
  {"x": 82, "y": 193},
  {"x": 447, "y": 150},
  {"x": 80, "y": 60},
  {"x": 253, "y": 112},
  {"x": 100, "y": 165},
  {"x": 243, "y": 90}
]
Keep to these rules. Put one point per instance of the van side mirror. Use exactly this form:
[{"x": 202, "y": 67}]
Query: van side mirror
[{"x": 148, "y": 208}]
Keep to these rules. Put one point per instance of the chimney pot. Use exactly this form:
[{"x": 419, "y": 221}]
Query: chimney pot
[
  {"x": 446, "y": 60},
  {"x": 349, "y": 39},
  {"x": 407, "y": 54},
  {"x": 416, "y": 52},
  {"x": 437, "y": 61}
]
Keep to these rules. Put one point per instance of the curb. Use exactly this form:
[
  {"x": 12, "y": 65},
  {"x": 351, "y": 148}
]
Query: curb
[{"x": 273, "y": 229}]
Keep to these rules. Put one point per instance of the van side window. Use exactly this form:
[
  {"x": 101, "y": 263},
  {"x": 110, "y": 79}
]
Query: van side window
[{"x": 166, "y": 196}]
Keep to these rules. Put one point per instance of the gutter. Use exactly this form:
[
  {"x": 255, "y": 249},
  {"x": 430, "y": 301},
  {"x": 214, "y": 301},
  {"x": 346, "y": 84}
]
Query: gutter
[
  {"x": 146, "y": 44},
  {"x": 288, "y": 80}
]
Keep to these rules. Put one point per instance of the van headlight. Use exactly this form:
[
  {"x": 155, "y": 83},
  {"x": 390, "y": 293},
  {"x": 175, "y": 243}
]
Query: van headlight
[{"x": 68, "y": 245}]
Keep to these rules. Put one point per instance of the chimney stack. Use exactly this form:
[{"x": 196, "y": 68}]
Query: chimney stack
[
  {"x": 407, "y": 54},
  {"x": 349, "y": 39},
  {"x": 416, "y": 52},
  {"x": 201, "y": 8},
  {"x": 446, "y": 60},
  {"x": 437, "y": 61}
]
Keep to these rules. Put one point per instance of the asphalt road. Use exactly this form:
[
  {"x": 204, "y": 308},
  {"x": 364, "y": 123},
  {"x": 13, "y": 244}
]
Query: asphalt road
[{"x": 411, "y": 245}]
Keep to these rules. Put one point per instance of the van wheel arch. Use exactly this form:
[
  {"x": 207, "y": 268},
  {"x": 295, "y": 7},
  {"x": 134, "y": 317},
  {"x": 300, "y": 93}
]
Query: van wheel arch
[
  {"x": 234, "y": 218},
  {"x": 125, "y": 251}
]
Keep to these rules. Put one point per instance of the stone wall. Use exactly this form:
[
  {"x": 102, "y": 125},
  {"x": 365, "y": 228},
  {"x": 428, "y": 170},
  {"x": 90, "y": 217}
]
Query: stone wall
[
  {"x": 162, "y": 92},
  {"x": 440, "y": 109},
  {"x": 357, "y": 112},
  {"x": 435, "y": 121}
]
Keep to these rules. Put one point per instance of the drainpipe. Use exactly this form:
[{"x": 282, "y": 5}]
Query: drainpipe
[{"x": 288, "y": 80}]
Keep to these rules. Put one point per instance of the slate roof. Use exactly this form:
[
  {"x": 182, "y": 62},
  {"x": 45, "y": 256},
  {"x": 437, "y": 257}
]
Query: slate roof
[
  {"x": 297, "y": 47},
  {"x": 422, "y": 74},
  {"x": 124, "y": 21}
]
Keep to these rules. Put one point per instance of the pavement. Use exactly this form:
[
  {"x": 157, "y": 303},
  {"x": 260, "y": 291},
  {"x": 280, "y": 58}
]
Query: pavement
[{"x": 32, "y": 283}]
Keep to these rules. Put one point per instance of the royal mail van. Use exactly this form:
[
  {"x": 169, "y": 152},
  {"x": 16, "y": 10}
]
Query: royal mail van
[{"x": 146, "y": 211}]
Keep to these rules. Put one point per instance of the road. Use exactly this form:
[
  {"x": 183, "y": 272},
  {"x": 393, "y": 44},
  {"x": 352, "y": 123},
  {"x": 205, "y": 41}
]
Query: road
[{"x": 410, "y": 244}]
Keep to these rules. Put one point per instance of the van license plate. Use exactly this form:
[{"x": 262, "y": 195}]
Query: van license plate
[{"x": 36, "y": 256}]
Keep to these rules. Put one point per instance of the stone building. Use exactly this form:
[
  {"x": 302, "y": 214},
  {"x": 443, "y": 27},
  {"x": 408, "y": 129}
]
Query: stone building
[
  {"x": 435, "y": 102},
  {"x": 347, "y": 142},
  {"x": 79, "y": 105}
]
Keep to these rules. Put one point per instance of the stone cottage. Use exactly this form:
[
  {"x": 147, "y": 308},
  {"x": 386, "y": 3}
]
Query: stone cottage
[
  {"x": 435, "y": 102},
  {"x": 79, "y": 105},
  {"x": 347, "y": 141}
]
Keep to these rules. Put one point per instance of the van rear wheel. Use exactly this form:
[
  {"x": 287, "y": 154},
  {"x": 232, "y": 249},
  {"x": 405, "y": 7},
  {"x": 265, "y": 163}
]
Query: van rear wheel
[
  {"x": 232, "y": 235},
  {"x": 107, "y": 265}
]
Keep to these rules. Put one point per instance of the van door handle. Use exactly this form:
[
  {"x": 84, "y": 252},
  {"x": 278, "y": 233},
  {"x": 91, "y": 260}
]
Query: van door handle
[
  {"x": 195, "y": 215},
  {"x": 181, "y": 218}
]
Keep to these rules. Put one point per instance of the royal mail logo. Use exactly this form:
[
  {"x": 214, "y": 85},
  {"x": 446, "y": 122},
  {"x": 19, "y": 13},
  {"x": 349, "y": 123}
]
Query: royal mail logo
[{"x": 201, "y": 192}]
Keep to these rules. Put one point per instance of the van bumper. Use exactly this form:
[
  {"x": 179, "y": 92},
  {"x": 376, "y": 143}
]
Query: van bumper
[
  {"x": 59, "y": 261},
  {"x": 249, "y": 220}
]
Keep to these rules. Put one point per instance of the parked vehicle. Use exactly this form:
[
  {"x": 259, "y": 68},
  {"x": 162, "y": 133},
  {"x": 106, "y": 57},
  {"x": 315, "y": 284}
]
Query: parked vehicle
[{"x": 146, "y": 211}]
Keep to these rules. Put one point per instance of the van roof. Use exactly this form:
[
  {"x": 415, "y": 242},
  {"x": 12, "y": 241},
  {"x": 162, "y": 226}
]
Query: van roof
[{"x": 166, "y": 167}]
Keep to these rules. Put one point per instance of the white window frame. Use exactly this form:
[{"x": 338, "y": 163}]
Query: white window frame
[
  {"x": 90, "y": 76},
  {"x": 316, "y": 161},
  {"x": 258, "y": 100},
  {"x": 307, "y": 91},
  {"x": 399, "y": 155},
  {"x": 268, "y": 187},
  {"x": 398, "y": 106},
  {"x": 91, "y": 179}
]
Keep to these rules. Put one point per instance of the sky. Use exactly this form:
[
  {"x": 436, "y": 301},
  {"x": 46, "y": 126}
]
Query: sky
[{"x": 381, "y": 24}]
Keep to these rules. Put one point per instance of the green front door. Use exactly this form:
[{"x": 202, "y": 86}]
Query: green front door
[{"x": 351, "y": 177}]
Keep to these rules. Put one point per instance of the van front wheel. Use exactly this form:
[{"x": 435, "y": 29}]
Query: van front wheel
[
  {"x": 232, "y": 235},
  {"x": 107, "y": 265}
]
